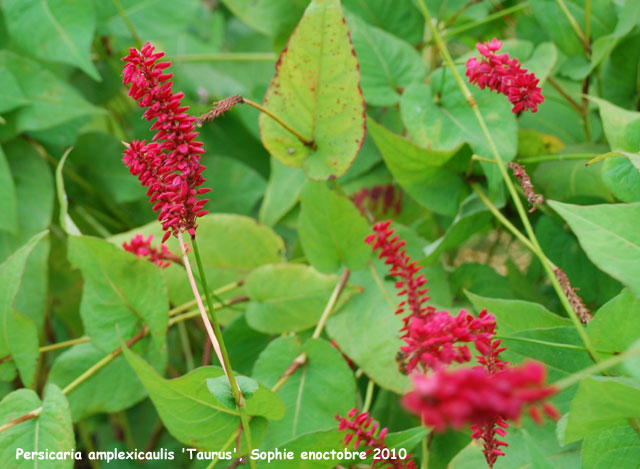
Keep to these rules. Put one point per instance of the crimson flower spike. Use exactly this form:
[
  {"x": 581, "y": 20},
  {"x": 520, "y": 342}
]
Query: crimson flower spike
[
  {"x": 169, "y": 165},
  {"x": 500, "y": 73}
]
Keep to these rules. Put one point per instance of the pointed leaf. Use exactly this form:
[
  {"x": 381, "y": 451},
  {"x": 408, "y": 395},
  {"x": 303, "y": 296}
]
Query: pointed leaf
[
  {"x": 316, "y": 89},
  {"x": 8, "y": 201},
  {"x": 221, "y": 389},
  {"x": 121, "y": 293},
  {"x": 66, "y": 222},
  {"x": 283, "y": 189},
  {"x": 609, "y": 235}
]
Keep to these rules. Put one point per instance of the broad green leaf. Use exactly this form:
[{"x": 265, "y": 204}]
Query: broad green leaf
[
  {"x": 517, "y": 315},
  {"x": 615, "y": 326},
  {"x": 601, "y": 403},
  {"x": 51, "y": 101},
  {"x": 98, "y": 394},
  {"x": 97, "y": 157},
  {"x": 288, "y": 297},
  {"x": 332, "y": 230},
  {"x": 222, "y": 391},
  {"x": 438, "y": 116},
  {"x": 236, "y": 187},
  {"x": 52, "y": 430},
  {"x": 618, "y": 74},
  {"x": 627, "y": 19},
  {"x": 19, "y": 336},
  {"x": 565, "y": 180},
  {"x": 542, "y": 61},
  {"x": 481, "y": 279},
  {"x": 612, "y": 447},
  {"x": 594, "y": 286},
  {"x": 615, "y": 121},
  {"x": 275, "y": 18},
  {"x": 422, "y": 172},
  {"x": 152, "y": 19},
  {"x": 538, "y": 344},
  {"x": 325, "y": 440},
  {"x": 8, "y": 202},
  {"x": 121, "y": 293},
  {"x": 367, "y": 330},
  {"x": 283, "y": 189},
  {"x": 387, "y": 64},
  {"x": 11, "y": 95},
  {"x": 623, "y": 178},
  {"x": 634, "y": 158},
  {"x": 244, "y": 344},
  {"x": 609, "y": 235},
  {"x": 316, "y": 89},
  {"x": 191, "y": 413},
  {"x": 66, "y": 222},
  {"x": 58, "y": 30},
  {"x": 555, "y": 23},
  {"x": 471, "y": 218},
  {"x": 400, "y": 18},
  {"x": 313, "y": 395}
]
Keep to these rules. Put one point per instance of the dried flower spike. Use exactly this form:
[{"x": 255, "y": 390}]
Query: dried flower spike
[
  {"x": 170, "y": 164},
  {"x": 576, "y": 302},
  {"x": 142, "y": 248},
  {"x": 364, "y": 429},
  {"x": 534, "y": 199},
  {"x": 500, "y": 73}
]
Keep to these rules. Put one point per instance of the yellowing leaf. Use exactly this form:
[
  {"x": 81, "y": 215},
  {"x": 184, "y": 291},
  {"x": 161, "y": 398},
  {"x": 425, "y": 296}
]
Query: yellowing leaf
[{"x": 316, "y": 90}]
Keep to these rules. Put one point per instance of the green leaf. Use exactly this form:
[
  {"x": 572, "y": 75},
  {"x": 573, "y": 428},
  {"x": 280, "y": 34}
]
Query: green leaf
[
  {"x": 221, "y": 389},
  {"x": 98, "y": 394},
  {"x": 603, "y": 46},
  {"x": 51, "y": 101},
  {"x": 615, "y": 121},
  {"x": 542, "y": 61},
  {"x": 11, "y": 95},
  {"x": 66, "y": 222},
  {"x": 8, "y": 202},
  {"x": 313, "y": 395},
  {"x": 275, "y": 18},
  {"x": 387, "y": 64},
  {"x": 57, "y": 30},
  {"x": 517, "y": 315},
  {"x": 400, "y": 18},
  {"x": 564, "y": 180},
  {"x": 367, "y": 330},
  {"x": 601, "y": 403},
  {"x": 332, "y": 230},
  {"x": 556, "y": 24},
  {"x": 623, "y": 177},
  {"x": 52, "y": 430},
  {"x": 438, "y": 116},
  {"x": 422, "y": 172},
  {"x": 282, "y": 193},
  {"x": 609, "y": 235},
  {"x": 190, "y": 411},
  {"x": 244, "y": 344},
  {"x": 121, "y": 293},
  {"x": 611, "y": 447},
  {"x": 326, "y": 440},
  {"x": 615, "y": 326},
  {"x": 19, "y": 335},
  {"x": 316, "y": 89},
  {"x": 276, "y": 306},
  {"x": 237, "y": 187}
]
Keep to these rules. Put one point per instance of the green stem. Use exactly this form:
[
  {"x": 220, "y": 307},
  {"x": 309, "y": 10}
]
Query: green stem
[
  {"x": 549, "y": 344},
  {"x": 228, "y": 57},
  {"x": 597, "y": 368},
  {"x": 128, "y": 23},
  {"x": 368, "y": 398},
  {"x": 216, "y": 293},
  {"x": 574, "y": 25},
  {"x": 305, "y": 141},
  {"x": 186, "y": 346},
  {"x": 558, "y": 157},
  {"x": 331, "y": 304},
  {"x": 587, "y": 20},
  {"x": 235, "y": 389},
  {"x": 509, "y": 183},
  {"x": 574, "y": 105},
  {"x": 226, "y": 446},
  {"x": 424, "y": 463}
]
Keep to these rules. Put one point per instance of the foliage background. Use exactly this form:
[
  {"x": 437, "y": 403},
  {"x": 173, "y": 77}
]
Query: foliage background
[{"x": 60, "y": 86}]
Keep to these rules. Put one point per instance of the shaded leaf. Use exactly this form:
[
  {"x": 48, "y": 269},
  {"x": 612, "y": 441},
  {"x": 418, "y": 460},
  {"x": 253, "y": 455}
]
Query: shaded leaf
[
  {"x": 221, "y": 389},
  {"x": 614, "y": 328},
  {"x": 282, "y": 192},
  {"x": 8, "y": 202},
  {"x": 400, "y": 18},
  {"x": 237, "y": 187},
  {"x": 66, "y": 222}
]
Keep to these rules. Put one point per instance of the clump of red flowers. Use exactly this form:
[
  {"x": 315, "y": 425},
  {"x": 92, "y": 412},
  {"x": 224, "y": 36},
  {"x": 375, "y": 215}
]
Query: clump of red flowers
[
  {"x": 484, "y": 396},
  {"x": 363, "y": 428},
  {"x": 500, "y": 73},
  {"x": 142, "y": 248},
  {"x": 169, "y": 165}
]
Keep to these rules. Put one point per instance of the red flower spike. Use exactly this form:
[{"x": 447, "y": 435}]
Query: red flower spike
[
  {"x": 141, "y": 247},
  {"x": 472, "y": 396},
  {"x": 506, "y": 76},
  {"x": 169, "y": 165},
  {"x": 363, "y": 428}
]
